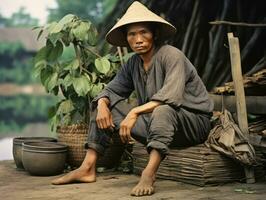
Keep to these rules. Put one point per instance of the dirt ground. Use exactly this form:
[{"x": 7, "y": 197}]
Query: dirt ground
[{"x": 19, "y": 185}]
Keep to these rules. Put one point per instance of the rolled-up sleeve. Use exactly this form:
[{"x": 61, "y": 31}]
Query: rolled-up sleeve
[
  {"x": 174, "y": 83},
  {"x": 119, "y": 88}
]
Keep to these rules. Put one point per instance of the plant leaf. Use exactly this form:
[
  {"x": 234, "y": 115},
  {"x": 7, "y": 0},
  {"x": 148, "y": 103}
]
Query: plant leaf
[
  {"x": 94, "y": 77},
  {"x": 96, "y": 89},
  {"x": 45, "y": 74},
  {"x": 54, "y": 53},
  {"x": 41, "y": 55},
  {"x": 38, "y": 68},
  {"x": 65, "y": 107},
  {"x": 81, "y": 31},
  {"x": 51, "y": 112},
  {"x": 50, "y": 27},
  {"x": 66, "y": 19},
  {"x": 68, "y": 80},
  {"x": 72, "y": 65},
  {"x": 39, "y": 34},
  {"x": 36, "y": 27},
  {"x": 66, "y": 120},
  {"x": 92, "y": 36},
  {"x": 102, "y": 65},
  {"x": 76, "y": 117},
  {"x": 80, "y": 103},
  {"x": 56, "y": 28},
  {"x": 51, "y": 81},
  {"x": 55, "y": 37},
  {"x": 54, "y": 121},
  {"x": 81, "y": 85}
]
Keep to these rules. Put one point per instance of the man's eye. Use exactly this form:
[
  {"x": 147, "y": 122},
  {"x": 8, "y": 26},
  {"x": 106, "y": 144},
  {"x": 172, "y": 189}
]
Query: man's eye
[{"x": 131, "y": 34}]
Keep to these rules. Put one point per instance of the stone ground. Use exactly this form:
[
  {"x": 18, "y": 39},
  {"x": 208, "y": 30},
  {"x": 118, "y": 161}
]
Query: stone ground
[{"x": 19, "y": 185}]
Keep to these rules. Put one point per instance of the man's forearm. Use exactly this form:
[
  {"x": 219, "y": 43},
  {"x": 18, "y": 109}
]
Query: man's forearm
[{"x": 146, "y": 108}]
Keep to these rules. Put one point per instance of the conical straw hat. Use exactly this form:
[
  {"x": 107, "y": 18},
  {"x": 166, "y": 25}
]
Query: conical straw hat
[{"x": 137, "y": 12}]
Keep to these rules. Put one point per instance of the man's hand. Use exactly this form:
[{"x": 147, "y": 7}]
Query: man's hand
[
  {"x": 126, "y": 125},
  {"x": 104, "y": 118}
]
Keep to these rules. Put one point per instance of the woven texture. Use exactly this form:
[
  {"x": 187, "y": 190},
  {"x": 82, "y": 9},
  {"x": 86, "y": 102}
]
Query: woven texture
[
  {"x": 198, "y": 165},
  {"x": 75, "y": 137}
]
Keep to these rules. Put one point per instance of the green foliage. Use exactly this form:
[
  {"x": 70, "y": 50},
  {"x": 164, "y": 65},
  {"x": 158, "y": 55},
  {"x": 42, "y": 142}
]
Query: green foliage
[
  {"x": 15, "y": 63},
  {"x": 102, "y": 65},
  {"x": 19, "y": 73},
  {"x": 79, "y": 77},
  {"x": 11, "y": 48},
  {"x": 95, "y": 10},
  {"x": 17, "y": 111},
  {"x": 10, "y": 126}
]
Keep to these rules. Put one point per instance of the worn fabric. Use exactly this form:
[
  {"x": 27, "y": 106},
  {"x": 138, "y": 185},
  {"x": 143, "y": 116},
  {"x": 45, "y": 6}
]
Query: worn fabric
[
  {"x": 171, "y": 79},
  {"x": 227, "y": 138},
  {"x": 163, "y": 128}
]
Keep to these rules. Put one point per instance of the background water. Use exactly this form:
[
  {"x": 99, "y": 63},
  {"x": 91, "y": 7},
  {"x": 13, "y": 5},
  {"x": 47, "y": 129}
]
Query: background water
[{"x": 6, "y": 149}]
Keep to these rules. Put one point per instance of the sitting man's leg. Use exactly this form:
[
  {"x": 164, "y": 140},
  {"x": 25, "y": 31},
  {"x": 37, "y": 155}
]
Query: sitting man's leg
[
  {"x": 86, "y": 173},
  {"x": 169, "y": 127},
  {"x": 98, "y": 140}
]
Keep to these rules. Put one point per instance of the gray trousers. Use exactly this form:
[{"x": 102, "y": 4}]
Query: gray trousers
[{"x": 162, "y": 129}]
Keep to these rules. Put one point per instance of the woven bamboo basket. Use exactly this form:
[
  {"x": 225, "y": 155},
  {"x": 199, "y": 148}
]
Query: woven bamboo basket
[{"x": 75, "y": 137}]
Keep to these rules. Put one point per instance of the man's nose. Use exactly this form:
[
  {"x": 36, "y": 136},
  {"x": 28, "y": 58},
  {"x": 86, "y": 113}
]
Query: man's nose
[{"x": 138, "y": 39}]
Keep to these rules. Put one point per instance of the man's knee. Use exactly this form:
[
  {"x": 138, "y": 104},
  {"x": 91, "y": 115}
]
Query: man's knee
[{"x": 163, "y": 112}]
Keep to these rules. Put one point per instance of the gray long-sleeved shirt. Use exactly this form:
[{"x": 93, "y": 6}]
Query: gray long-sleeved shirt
[{"x": 171, "y": 79}]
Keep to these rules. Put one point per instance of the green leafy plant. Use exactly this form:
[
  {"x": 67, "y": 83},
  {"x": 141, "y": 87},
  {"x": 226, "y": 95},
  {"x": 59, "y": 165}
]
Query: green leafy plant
[{"x": 78, "y": 76}]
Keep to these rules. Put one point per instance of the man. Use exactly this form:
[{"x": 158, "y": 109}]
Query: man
[{"x": 174, "y": 107}]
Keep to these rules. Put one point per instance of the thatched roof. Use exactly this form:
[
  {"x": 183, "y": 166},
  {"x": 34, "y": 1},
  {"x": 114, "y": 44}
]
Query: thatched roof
[{"x": 26, "y": 36}]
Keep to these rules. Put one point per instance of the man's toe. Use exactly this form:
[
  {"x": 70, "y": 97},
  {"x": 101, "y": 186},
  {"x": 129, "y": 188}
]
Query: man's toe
[
  {"x": 151, "y": 190},
  {"x": 141, "y": 192}
]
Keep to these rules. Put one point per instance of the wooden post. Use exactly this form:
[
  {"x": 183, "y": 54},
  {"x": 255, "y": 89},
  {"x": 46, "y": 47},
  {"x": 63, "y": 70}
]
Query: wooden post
[
  {"x": 120, "y": 55},
  {"x": 240, "y": 95}
]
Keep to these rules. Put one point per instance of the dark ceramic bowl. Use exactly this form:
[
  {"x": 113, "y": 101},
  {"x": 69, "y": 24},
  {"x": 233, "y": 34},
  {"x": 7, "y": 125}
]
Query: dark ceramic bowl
[
  {"x": 17, "y": 147},
  {"x": 44, "y": 158}
]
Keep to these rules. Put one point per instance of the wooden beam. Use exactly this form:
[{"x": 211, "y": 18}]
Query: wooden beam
[
  {"x": 221, "y": 22},
  {"x": 254, "y": 104},
  {"x": 240, "y": 95}
]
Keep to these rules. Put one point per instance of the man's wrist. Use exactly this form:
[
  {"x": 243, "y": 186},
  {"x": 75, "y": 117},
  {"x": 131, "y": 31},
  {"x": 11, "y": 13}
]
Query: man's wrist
[{"x": 103, "y": 101}]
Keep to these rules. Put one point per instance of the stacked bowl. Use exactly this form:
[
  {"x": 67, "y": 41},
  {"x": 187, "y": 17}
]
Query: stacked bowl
[{"x": 41, "y": 156}]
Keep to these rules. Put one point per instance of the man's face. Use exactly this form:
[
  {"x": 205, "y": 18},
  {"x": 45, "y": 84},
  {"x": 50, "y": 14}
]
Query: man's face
[{"x": 140, "y": 38}]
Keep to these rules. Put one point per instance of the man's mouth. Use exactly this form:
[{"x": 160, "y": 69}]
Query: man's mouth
[{"x": 139, "y": 47}]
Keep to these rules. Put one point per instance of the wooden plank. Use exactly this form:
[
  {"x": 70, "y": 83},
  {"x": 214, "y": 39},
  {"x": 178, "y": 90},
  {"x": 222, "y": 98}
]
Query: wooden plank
[
  {"x": 254, "y": 104},
  {"x": 240, "y": 95}
]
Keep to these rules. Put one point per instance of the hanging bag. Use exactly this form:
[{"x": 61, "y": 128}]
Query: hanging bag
[{"x": 227, "y": 138}]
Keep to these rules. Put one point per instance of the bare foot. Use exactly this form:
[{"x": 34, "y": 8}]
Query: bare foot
[
  {"x": 80, "y": 175},
  {"x": 145, "y": 185}
]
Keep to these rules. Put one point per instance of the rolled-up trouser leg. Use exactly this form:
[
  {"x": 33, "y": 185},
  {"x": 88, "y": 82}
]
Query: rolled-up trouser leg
[
  {"x": 163, "y": 128},
  {"x": 175, "y": 128},
  {"x": 99, "y": 139}
]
